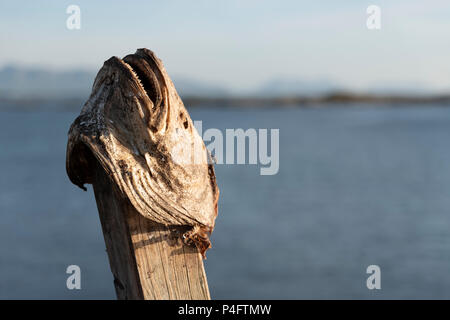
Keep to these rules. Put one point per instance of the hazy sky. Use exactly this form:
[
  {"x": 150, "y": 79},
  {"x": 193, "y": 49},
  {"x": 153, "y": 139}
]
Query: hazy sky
[{"x": 241, "y": 44}]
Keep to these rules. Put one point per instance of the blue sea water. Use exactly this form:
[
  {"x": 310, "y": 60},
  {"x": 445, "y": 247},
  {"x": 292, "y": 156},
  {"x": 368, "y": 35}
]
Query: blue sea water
[{"x": 357, "y": 186}]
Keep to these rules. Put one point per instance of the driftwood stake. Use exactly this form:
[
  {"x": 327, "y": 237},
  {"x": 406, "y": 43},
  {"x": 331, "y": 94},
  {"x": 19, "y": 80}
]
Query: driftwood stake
[
  {"x": 148, "y": 260},
  {"x": 153, "y": 179}
]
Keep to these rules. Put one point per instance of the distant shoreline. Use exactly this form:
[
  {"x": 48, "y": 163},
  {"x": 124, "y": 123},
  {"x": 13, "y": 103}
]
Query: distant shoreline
[
  {"x": 332, "y": 99},
  {"x": 329, "y": 99}
]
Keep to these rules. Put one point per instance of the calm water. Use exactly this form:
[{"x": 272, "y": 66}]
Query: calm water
[{"x": 356, "y": 186}]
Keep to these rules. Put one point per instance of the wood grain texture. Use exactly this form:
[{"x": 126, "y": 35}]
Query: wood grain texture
[{"x": 148, "y": 260}]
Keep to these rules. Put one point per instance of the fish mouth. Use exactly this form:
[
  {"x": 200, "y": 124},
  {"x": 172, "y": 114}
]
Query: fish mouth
[
  {"x": 142, "y": 68},
  {"x": 147, "y": 69}
]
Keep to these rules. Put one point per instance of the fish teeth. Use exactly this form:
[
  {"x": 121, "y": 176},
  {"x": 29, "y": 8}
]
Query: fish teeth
[{"x": 135, "y": 75}]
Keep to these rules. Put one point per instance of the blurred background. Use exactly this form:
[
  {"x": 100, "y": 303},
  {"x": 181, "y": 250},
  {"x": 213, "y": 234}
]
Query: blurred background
[{"x": 364, "y": 121}]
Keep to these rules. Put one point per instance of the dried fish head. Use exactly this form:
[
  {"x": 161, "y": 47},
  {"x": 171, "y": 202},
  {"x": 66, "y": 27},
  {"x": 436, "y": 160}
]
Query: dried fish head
[{"x": 136, "y": 126}]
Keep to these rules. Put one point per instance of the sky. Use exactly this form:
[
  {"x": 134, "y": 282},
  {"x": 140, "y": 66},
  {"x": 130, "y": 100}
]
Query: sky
[{"x": 241, "y": 44}]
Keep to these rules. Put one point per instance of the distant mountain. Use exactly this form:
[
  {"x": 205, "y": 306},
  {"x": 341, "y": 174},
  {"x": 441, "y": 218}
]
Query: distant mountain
[
  {"x": 291, "y": 87},
  {"x": 25, "y": 83},
  {"x": 187, "y": 87},
  {"x": 410, "y": 89},
  {"x": 18, "y": 82},
  {"x": 283, "y": 87}
]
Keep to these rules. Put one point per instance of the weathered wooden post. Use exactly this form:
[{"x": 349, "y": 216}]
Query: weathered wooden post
[{"x": 153, "y": 179}]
